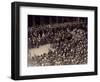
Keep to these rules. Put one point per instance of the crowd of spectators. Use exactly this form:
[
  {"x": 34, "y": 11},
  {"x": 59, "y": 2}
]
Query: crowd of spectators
[{"x": 69, "y": 41}]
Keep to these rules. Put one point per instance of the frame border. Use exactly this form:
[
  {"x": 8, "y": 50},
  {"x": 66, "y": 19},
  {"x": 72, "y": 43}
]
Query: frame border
[{"x": 15, "y": 40}]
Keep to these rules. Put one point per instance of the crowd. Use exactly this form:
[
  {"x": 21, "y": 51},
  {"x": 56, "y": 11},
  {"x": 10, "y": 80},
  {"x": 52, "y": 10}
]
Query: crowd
[{"x": 69, "y": 41}]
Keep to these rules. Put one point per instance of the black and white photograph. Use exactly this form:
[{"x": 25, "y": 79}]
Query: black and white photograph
[
  {"x": 57, "y": 40},
  {"x": 53, "y": 40}
]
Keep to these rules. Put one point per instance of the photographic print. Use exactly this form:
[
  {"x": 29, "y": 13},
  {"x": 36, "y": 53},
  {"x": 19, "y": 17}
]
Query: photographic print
[
  {"x": 56, "y": 40},
  {"x": 53, "y": 40}
]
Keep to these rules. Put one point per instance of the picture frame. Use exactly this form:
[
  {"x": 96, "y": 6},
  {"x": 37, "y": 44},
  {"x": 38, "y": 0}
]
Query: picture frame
[{"x": 21, "y": 16}]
